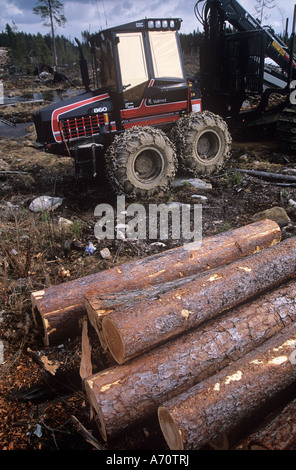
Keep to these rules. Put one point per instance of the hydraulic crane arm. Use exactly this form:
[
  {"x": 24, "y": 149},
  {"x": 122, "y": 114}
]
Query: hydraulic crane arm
[{"x": 214, "y": 13}]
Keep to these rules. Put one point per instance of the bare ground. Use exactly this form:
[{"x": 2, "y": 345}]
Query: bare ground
[{"x": 35, "y": 410}]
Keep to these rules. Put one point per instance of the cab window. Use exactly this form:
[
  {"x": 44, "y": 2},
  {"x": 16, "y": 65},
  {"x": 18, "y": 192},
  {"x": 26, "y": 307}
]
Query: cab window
[
  {"x": 165, "y": 54},
  {"x": 132, "y": 60}
]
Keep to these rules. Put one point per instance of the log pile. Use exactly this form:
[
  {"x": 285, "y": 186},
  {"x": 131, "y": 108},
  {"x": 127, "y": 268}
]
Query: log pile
[
  {"x": 59, "y": 309},
  {"x": 203, "y": 338},
  {"x": 220, "y": 402},
  {"x": 129, "y": 393}
]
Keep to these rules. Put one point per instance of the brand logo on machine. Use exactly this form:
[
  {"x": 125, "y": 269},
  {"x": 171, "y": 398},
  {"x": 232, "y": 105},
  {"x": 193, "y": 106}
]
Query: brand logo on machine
[
  {"x": 156, "y": 101},
  {"x": 100, "y": 110},
  {"x": 129, "y": 105}
]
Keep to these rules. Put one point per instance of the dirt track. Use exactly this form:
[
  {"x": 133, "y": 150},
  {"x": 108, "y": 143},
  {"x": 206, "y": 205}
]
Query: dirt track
[{"x": 35, "y": 253}]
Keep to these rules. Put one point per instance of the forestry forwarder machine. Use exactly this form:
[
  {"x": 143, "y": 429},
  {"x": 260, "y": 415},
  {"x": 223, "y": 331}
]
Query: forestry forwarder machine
[
  {"x": 142, "y": 113},
  {"x": 144, "y": 117}
]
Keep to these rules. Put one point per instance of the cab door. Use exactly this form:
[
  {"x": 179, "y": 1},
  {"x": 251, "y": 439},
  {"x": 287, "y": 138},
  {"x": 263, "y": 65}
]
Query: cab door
[
  {"x": 154, "y": 87},
  {"x": 133, "y": 69}
]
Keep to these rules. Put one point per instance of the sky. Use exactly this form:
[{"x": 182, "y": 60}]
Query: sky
[{"x": 94, "y": 15}]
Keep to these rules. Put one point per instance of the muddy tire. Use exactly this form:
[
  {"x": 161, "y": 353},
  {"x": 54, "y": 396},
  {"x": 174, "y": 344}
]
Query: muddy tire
[
  {"x": 140, "y": 162},
  {"x": 203, "y": 143},
  {"x": 286, "y": 130}
]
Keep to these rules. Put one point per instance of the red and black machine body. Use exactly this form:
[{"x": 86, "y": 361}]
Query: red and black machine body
[{"x": 139, "y": 80}]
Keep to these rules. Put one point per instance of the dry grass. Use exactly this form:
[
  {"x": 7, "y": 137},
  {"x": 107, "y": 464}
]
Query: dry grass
[{"x": 32, "y": 248}]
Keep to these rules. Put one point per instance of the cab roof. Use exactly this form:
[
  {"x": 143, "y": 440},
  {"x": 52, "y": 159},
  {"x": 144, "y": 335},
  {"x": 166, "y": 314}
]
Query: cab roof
[{"x": 147, "y": 24}]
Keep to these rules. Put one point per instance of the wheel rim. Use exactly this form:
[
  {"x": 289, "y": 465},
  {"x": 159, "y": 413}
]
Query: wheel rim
[
  {"x": 148, "y": 165},
  {"x": 208, "y": 145}
]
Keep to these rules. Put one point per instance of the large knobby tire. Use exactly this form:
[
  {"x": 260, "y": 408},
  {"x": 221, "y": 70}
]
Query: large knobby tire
[
  {"x": 140, "y": 162},
  {"x": 203, "y": 143}
]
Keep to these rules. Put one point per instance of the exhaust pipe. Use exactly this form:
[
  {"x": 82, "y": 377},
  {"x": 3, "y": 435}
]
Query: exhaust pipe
[{"x": 83, "y": 68}]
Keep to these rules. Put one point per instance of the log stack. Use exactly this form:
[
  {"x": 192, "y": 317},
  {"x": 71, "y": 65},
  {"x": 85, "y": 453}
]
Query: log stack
[
  {"x": 58, "y": 310},
  {"x": 128, "y": 332},
  {"x": 201, "y": 338},
  {"x": 220, "y": 402},
  {"x": 126, "y": 394}
]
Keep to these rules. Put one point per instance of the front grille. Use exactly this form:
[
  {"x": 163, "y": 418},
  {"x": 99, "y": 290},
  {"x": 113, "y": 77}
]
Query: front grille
[{"x": 82, "y": 126}]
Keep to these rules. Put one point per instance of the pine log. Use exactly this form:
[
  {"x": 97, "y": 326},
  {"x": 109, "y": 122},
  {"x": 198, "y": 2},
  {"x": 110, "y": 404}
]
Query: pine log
[
  {"x": 58, "y": 309},
  {"x": 136, "y": 328},
  {"x": 216, "y": 405},
  {"x": 99, "y": 305},
  {"x": 277, "y": 433},
  {"x": 125, "y": 394}
]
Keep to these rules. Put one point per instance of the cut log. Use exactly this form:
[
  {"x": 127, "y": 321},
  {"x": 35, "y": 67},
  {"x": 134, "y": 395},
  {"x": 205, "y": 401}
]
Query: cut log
[
  {"x": 99, "y": 305},
  {"x": 133, "y": 329},
  {"x": 124, "y": 395},
  {"x": 278, "y": 433},
  {"x": 216, "y": 405},
  {"x": 58, "y": 309}
]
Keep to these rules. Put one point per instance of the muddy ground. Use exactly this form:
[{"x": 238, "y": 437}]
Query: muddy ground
[{"x": 35, "y": 410}]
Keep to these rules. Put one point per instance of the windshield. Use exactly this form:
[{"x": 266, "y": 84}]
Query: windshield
[{"x": 165, "y": 54}]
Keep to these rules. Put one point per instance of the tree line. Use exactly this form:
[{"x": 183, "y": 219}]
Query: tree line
[{"x": 31, "y": 53}]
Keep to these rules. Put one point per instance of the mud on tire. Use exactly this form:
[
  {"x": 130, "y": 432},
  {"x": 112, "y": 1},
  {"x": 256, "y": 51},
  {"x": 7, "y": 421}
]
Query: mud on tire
[
  {"x": 203, "y": 143},
  {"x": 140, "y": 162}
]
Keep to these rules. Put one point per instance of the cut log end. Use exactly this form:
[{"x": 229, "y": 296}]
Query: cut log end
[
  {"x": 113, "y": 340},
  {"x": 171, "y": 432}
]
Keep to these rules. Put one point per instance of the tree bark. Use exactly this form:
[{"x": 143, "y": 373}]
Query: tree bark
[
  {"x": 58, "y": 309},
  {"x": 133, "y": 329},
  {"x": 222, "y": 401},
  {"x": 123, "y": 395},
  {"x": 278, "y": 433},
  {"x": 99, "y": 305}
]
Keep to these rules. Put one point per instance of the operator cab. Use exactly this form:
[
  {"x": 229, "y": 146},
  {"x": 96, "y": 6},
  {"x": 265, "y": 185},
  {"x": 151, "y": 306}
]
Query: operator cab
[{"x": 140, "y": 63}]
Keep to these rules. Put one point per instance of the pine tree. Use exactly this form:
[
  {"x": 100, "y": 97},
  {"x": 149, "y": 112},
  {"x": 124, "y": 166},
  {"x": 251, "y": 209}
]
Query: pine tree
[
  {"x": 52, "y": 12},
  {"x": 261, "y": 6}
]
